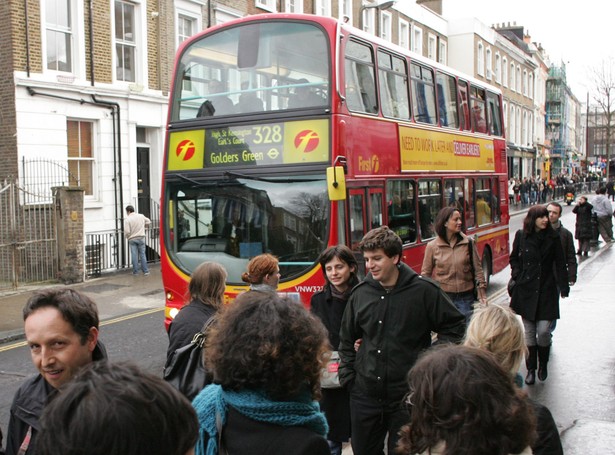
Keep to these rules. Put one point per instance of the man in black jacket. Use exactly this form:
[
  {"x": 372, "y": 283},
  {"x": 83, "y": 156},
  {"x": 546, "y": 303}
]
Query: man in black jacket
[
  {"x": 61, "y": 328},
  {"x": 393, "y": 312}
]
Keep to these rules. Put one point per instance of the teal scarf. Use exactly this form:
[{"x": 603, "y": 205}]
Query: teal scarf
[{"x": 213, "y": 400}]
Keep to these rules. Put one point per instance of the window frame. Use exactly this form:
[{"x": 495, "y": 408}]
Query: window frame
[
  {"x": 404, "y": 34},
  {"x": 80, "y": 159},
  {"x": 480, "y": 58},
  {"x": 267, "y": 5},
  {"x": 136, "y": 44},
  {"x": 417, "y": 37}
]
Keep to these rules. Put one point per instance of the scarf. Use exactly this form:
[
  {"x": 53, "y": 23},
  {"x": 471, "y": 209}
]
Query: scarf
[
  {"x": 262, "y": 287},
  {"x": 212, "y": 403}
]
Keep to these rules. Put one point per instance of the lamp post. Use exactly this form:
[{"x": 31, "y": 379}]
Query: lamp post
[{"x": 378, "y": 6}]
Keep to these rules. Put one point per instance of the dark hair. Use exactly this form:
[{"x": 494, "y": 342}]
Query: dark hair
[
  {"x": 555, "y": 204},
  {"x": 529, "y": 223},
  {"x": 207, "y": 284},
  {"x": 382, "y": 237},
  {"x": 265, "y": 342},
  {"x": 601, "y": 190},
  {"x": 344, "y": 254},
  {"x": 259, "y": 267},
  {"x": 462, "y": 397},
  {"x": 117, "y": 409},
  {"x": 130, "y": 208},
  {"x": 76, "y": 308},
  {"x": 442, "y": 218}
]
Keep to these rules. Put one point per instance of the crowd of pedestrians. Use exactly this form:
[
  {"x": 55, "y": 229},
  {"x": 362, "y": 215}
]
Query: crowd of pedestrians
[{"x": 265, "y": 356}]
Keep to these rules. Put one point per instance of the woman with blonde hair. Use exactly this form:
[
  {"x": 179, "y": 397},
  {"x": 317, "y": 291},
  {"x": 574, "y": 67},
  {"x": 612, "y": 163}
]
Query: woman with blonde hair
[
  {"x": 263, "y": 273},
  {"x": 206, "y": 289},
  {"x": 498, "y": 330}
]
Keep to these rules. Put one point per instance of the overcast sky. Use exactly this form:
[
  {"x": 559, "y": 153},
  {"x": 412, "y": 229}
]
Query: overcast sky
[{"x": 579, "y": 33}]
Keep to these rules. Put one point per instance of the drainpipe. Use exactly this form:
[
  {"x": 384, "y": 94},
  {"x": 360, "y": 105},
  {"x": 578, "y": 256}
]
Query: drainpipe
[
  {"x": 91, "y": 18},
  {"x": 25, "y": 7}
]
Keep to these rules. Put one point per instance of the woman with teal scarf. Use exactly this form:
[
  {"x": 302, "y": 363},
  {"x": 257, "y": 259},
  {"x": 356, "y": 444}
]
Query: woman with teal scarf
[{"x": 266, "y": 354}]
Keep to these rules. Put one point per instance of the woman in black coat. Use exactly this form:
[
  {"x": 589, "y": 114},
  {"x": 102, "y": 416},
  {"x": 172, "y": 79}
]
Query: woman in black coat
[
  {"x": 340, "y": 269},
  {"x": 583, "y": 227},
  {"x": 539, "y": 269}
]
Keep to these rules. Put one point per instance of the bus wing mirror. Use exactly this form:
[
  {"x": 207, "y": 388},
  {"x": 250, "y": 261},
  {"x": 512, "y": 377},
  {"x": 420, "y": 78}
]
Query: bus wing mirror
[{"x": 336, "y": 183}]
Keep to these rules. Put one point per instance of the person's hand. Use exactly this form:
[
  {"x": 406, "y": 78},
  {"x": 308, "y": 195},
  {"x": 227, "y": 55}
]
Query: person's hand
[{"x": 483, "y": 301}]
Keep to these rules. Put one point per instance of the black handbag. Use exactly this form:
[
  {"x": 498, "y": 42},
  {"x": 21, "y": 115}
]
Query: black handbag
[{"x": 185, "y": 369}]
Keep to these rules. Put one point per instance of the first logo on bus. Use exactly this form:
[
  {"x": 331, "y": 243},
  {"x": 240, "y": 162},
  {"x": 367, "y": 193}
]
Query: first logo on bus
[{"x": 185, "y": 148}]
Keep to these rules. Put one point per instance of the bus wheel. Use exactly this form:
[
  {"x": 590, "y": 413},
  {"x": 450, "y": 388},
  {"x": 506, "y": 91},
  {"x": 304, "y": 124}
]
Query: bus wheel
[{"x": 486, "y": 264}]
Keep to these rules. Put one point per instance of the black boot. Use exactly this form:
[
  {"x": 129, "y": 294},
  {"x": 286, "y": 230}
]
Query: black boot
[
  {"x": 530, "y": 363},
  {"x": 543, "y": 360}
]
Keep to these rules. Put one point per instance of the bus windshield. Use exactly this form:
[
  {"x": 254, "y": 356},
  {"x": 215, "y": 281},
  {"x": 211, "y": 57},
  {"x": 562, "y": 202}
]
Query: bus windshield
[
  {"x": 230, "y": 220},
  {"x": 257, "y": 67}
]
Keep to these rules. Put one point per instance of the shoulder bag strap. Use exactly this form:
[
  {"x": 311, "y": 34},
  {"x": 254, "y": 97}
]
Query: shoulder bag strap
[{"x": 471, "y": 253}]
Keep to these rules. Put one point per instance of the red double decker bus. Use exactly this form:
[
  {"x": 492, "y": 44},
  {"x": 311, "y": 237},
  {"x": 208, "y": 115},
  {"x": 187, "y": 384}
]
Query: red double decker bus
[{"x": 290, "y": 133}]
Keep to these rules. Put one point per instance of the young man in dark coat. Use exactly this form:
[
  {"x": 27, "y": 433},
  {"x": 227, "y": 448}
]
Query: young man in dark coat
[
  {"x": 555, "y": 212},
  {"x": 393, "y": 311},
  {"x": 61, "y": 328}
]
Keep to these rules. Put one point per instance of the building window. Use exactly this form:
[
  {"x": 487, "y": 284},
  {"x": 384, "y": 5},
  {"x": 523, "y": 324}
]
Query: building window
[
  {"x": 505, "y": 72},
  {"x": 417, "y": 40},
  {"x": 443, "y": 52},
  {"x": 369, "y": 21},
  {"x": 321, "y": 7},
  {"x": 480, "y": 59},
  {"x": 530, "y": 88},
  {"x": 59, "y": 35},
  {"x": 432, "y": 41},
  {"x": 386, "y": 25},
  {"x": 518, "y": 79},
  {"x": 518, "y": 123},
  {"x": 125, "y": 41},
  {"x": 498, "y": 68},
  {"x": 512, "y": 76},
  {"x": 344, "y": 8},
  {"x": 525, "y": 82},
  {"x": 80, "y": 155},
  {"x": 404, "y": 34},
  {"x": 268, "y": 5},
  {"x": 512, "y": 127},
  {"x": 186, "y": 27},
  {"x": 489, "y": 64}
]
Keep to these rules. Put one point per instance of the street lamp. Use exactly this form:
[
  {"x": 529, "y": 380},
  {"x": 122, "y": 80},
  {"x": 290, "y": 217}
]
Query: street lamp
[{"x": 379, "y": 6}]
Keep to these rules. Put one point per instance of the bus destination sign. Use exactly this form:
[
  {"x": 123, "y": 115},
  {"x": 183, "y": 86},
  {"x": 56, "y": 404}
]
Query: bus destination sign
[{"x": 297, "y": 142}]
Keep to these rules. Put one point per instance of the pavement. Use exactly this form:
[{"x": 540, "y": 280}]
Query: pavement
[
  {"x": 116, "y": 294},
  {"x": 121, "y": 293}
]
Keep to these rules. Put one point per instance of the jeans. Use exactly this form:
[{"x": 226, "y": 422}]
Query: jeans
[
  {"x": 464, "y": 302},
  {"x": 137, "y": 254},
  {"x": 537, "y": 332},
  {"x": 372, "y": 420}
]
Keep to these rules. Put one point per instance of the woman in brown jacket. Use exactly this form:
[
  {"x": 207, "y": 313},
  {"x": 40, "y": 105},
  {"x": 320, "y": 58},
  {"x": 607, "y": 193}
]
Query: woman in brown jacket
[{"x": 447, "y": 260}]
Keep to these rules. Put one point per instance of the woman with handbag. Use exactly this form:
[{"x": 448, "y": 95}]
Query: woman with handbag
[
  {"x": 206, "y": 289},
  {"x": 266, "y": 354},
  {"x": 583, "y": 226},
  {"x": 339, "y": 267},
  {"x": 452, "y": 260},
  {"x": 538, "y": 269}
]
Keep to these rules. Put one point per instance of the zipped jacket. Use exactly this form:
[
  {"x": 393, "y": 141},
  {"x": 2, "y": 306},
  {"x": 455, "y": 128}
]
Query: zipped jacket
[
  {"x": 395, "y": 327},
  {"x": 28, "y": 404}
]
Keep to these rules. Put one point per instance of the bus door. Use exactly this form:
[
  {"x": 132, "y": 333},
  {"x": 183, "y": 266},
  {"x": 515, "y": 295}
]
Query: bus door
[{"x": 365, "y": 212}]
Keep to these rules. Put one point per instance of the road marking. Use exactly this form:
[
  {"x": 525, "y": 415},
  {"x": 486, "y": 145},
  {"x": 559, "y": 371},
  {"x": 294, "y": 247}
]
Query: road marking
[
  {"x": 109, "y": 321},
  {"x": 131, "y": 316}
]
